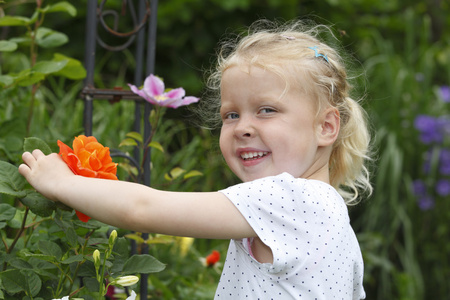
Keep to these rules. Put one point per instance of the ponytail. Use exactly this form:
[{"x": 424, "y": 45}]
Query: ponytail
[{"x": 348, "y": 171}]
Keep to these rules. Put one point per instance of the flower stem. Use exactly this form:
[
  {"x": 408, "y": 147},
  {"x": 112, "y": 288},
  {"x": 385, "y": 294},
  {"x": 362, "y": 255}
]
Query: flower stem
[
  {"x": 154, "y": 125},
  {"x": 22, "y": 228},
  {"x": 101, "y": 291}
]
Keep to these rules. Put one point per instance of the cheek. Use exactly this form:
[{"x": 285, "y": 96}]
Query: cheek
[{"x": 223, "y": 143}]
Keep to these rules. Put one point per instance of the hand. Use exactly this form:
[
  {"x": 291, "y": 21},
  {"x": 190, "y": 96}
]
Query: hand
[{"x": 44, "y": 173}]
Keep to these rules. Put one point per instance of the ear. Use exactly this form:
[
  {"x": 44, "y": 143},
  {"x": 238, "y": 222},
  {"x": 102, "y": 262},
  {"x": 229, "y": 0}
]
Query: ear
[{"x": 328, "y": 127}]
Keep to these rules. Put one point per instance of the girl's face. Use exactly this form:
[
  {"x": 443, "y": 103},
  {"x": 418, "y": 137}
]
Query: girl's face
[{"x": 264, "y": 134}]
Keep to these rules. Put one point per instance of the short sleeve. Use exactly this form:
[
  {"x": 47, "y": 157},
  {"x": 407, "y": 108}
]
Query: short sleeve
[{"x": 270, "y": 207}]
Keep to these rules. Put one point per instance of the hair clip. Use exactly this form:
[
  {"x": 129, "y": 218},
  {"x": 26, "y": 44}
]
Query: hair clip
[
  {"x": 317, "y": 54},
  {"x": 288, "y": 37}
]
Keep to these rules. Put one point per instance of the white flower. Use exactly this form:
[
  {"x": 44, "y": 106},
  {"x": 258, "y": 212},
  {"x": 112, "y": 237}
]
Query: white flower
[
  {"x": 63, "y": 298},
  {"x": 126, "y": 280},
  {"x": 132, "y": 296}
]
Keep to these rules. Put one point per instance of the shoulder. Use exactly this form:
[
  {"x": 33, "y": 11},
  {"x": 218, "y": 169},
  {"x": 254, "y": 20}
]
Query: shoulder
[
  {"x": 284, "y": 183},
  {"x": 270, "y": 182}
]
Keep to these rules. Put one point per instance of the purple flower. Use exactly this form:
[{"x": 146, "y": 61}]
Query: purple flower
[
  {"x": 432, "y": 129},
  {"x": 444, "y": 162},
  {"x": 153, "y": 92},
  {"x": 444, "y": 92},
  {"x": 426, "y": 202},
  {"x": 443, "y": 187},
  {"x": 429, "y": 129},
  {"x": 419, "y": 187}
]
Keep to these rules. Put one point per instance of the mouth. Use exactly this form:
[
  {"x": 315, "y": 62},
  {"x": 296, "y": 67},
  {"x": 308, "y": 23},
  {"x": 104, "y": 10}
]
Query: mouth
[{"x": 247, "y": 156}]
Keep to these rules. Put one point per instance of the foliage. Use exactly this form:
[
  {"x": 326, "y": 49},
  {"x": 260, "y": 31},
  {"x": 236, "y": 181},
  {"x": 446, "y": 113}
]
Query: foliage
[
  {"x": 50, "y": 253},
  {"x": 407, "y": 257}
]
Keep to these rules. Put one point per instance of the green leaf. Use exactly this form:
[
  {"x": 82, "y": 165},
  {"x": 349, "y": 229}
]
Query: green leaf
[
  {"x": 74, "y": 258},
  {"x": 7, "y": 212},
  {"x": 43, "y": 257},
  {"x": 192, "y": 173},
  {"x": 13, "y": 281},
  {"x": 62, "y": 6},
  {"x": 33, "y": 143},
  {"x": 38, "y": 204},
  {"x": 174, "y": 173},
  {"x": 14, "y": 21},
  {"x": 33, "y": 282},
  {"x": 6, "y": 80},
  {"x": 20, "y": 264},
  {"x": 142, "y": 264},
  {"x": 135, "y": 135},
  {"x": 128, "y": 142},
  {"x": 47, "y": 38},
  {"x": 71, "y": 236},
  {"x": 156, "y": 145},
  {"x": 28, "y": 77},
  {"x": 11, "y": 182},
  {"x": 7, "y": 46},
  {"x": 73, "y": 69},
  {"x": 135, "y": 237},
  {"x": 50, "y": 248},
  {"x": 91, "y": 284},
  {"x": 163, "y": 239},
  {"x": 48, "y": 67}
]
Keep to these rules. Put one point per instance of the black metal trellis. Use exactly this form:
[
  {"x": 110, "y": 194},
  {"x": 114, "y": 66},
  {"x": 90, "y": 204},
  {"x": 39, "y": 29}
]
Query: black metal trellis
[{"x": 144, "y": 35}]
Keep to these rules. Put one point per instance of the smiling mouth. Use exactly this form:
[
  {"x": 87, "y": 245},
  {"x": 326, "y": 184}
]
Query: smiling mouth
[{"x": 253, "y": 155}]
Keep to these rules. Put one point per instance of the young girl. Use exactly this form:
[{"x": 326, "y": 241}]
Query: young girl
[{"x": 291, "y": 133}]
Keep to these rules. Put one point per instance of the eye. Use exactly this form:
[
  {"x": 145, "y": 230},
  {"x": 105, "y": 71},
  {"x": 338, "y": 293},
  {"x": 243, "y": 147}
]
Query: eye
[
  {"x": 231, "y": 115},
  {"x": 266, "y": 110}
]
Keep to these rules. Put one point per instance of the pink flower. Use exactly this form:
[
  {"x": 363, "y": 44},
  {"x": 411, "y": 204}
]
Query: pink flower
[{"x": 153, "y": 92}]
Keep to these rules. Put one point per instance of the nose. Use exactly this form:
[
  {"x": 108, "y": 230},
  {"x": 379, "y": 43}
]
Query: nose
[{"x": 245, "y": 128}]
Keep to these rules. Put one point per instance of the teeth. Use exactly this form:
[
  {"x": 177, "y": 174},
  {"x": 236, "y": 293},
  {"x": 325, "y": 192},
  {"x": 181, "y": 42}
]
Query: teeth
[{"x": 253, "y": 155}]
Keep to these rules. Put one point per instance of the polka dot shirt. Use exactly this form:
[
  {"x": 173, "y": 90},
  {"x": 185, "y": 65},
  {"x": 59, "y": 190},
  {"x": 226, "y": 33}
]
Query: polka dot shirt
[{"x": 306, "y": 225}]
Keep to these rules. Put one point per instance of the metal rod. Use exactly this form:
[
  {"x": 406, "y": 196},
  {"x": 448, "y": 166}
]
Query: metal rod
[
  {"x": 91, "y": 32},
  {"x": 138, "y": 76}
]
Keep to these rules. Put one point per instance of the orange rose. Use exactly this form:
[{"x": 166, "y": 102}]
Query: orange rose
[{"x": 89, "y": 159}]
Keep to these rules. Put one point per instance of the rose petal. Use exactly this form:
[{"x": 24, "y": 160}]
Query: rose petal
[
  {"x": 84, "y": 156},
  {"x": 85, "y": 172},
  {"x": 81, "y": 141},
  {"x": 64, "y": 150},
  {"x": 72, "y": 162},
  {"x": 106, "y": 175},
  {"x": 110, "y": 168},
  {"x": 104, "y": 155},
  {"x": 82, "y": 217},
  {"x": 93, "y": 146},
  {"x": 94, "y": 162}
]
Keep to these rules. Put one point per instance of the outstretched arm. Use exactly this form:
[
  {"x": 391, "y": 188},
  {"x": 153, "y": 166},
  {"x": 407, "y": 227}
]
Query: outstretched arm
[{"x": 134, "y": 206}]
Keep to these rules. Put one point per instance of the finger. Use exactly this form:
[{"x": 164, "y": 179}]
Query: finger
[
  {"x": 38, "y": 153},
  {"x": 28, "y": 159},
  {"x": 24, "y": 170}
]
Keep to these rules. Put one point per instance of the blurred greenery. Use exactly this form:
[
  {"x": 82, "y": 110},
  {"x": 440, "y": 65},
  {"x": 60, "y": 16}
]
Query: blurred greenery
[{"x": 401, "y": 51}]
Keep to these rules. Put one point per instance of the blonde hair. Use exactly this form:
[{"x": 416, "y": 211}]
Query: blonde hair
[{"x": 289, "y": 51}]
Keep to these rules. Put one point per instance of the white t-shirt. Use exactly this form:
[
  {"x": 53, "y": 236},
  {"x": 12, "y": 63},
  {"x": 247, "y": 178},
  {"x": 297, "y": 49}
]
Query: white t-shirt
[{"x": 306, "y": 225}]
